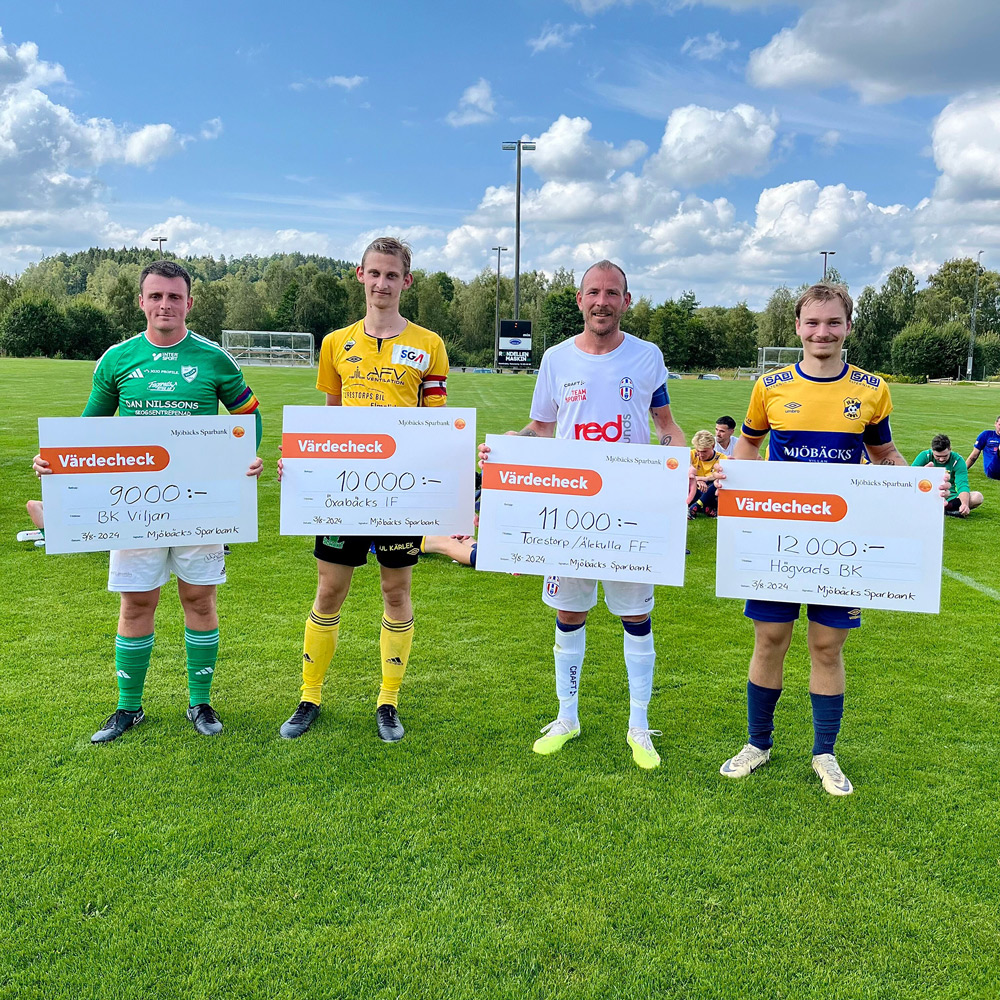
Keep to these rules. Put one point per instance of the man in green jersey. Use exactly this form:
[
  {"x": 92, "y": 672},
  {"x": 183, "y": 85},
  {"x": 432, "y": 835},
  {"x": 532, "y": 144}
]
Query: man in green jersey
[
  {"x": 961, "y": 500},
  {"x": 166, "y": 371}
]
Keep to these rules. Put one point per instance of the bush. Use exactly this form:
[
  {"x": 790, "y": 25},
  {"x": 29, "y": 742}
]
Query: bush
[
  {"x": 90, "y": 331},
  {"x": 921, "y": 348},
  {"x": 34, "y": 326}
]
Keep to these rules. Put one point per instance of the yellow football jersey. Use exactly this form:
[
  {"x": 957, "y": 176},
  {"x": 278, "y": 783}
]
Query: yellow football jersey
[
  {"x": 703, "y": 468},
  {"x": 410, "y": 369},
  {"x": 819, "y": 420}
]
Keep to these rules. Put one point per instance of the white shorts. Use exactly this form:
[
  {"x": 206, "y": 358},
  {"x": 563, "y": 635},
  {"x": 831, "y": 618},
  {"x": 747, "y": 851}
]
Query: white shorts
[
  {"x": 138, "y": 570},
  {"x": 567, "y": 593}
]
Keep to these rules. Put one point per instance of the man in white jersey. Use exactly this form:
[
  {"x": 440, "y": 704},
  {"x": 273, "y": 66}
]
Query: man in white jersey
[{"x": 601, "y": 385}]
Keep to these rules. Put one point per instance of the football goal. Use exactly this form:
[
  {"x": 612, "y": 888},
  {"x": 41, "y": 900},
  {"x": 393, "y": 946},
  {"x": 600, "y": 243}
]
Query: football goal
[
  {"x": 769, "y": 358},
  {"x": 270, "y": 347}
]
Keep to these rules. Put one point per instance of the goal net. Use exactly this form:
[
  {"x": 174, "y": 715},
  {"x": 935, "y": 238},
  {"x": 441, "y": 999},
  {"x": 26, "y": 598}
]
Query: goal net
[
  {"x": 270, "y": 347},
  {"x": 769, "y": 358}
]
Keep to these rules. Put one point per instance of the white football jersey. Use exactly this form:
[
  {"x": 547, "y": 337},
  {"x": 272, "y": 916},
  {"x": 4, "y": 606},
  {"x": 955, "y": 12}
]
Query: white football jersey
[{"x": 599, "y": 397}]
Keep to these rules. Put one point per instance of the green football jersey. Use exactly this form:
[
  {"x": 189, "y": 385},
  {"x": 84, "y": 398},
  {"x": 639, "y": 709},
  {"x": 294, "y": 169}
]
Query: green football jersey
[
  {"x": 955, "y": 465},
  {"x": 190, "y": 378}
]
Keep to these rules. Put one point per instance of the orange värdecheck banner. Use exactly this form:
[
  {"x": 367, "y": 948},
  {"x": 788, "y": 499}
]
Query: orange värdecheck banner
[
  {"x": 108, "y": 458},
  {"x": 308, "y": 445},
  {"x": 783, "y": 506},
  {"x": 541, "y": 479}
]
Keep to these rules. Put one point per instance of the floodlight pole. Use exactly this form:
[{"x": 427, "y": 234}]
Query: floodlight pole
[
  {"x": 159, "y": 241},
  {"x": 826, "y": 254},
  {"x": 496, "y": 326},
  {"x": 972, "y": 331},
  {"x": 518, "y": 145}
]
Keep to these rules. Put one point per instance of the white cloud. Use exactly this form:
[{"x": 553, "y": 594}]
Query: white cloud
[
  {"x": 828, "y": 141},
  {"x": 966, "y": 142},
  {"x": 708, "y": 47},
  {"x": 211, "y": 129},
  {"x": 885, "y": 50},
  {"x": 554, "y": 36},
  {"x": 474, "y": 106},
  {"x": 701, "y": 145},
  {"x": 347, "y": 82},
  {"x": 566, "y": 150},
  {"x": 188, "y": 237}
]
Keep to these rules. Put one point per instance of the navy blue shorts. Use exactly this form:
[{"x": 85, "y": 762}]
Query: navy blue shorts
[{"x": 822, "y": 614}]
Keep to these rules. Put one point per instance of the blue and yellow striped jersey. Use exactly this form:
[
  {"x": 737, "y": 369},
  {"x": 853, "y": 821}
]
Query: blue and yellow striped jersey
[{"x": 819, "y": 419}]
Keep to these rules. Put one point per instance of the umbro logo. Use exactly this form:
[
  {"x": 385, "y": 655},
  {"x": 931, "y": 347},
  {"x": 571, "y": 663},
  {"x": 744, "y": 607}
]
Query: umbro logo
[
  {"x": 354, "y": 359},
  {"x": 792, "y": 407},
  {"x": 136, "y": 374}
]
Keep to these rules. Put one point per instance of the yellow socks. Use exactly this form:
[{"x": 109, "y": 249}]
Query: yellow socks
[
  {"x": 318, "y": 647},
  {"x": 395, "y": 642}
]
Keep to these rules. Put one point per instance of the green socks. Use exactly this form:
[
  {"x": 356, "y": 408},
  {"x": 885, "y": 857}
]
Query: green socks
[
  {"x": 202, "y": 652},
  {"x": 131, "y": 664}
]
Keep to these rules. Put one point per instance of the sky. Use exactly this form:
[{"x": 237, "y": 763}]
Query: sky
[{"x": 715, "y": 146}]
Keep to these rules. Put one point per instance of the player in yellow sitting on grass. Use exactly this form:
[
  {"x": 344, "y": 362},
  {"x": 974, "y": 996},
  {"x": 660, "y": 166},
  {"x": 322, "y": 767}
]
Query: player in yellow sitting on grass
[
  {"x": 381, "y": 360},
  {"x": 705, "y": 461}
]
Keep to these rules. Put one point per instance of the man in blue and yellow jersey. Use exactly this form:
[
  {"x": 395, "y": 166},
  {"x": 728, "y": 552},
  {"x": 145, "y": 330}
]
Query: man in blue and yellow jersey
[
  {"x": 819, "y": 410},
  {"x": 167, "y": 370},
  {"x": 382, "y": 360}
]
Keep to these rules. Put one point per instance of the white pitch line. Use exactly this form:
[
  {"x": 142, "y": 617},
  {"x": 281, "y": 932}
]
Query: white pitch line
[{"x": 969, "y": 582}]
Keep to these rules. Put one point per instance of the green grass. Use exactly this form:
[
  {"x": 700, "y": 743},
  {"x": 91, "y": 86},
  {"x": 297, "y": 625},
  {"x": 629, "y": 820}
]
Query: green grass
[{"x": 459, "y": 864}]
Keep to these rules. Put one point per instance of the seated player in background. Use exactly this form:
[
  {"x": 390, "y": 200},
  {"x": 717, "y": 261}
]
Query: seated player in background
[
  {"x": 987, "y": 445},
  {"x": 725, "y": 442},
  {"x": 940, "y": 456},
  {"x": 705, "y": 463}
]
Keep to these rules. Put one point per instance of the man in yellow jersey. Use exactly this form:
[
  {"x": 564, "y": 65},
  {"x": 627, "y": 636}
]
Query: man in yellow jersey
[
  {"x": 705, "y": 463},
  {"x": 382, "y": 360}
]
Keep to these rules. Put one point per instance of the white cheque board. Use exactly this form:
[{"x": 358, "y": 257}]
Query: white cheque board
[
  {"x": 584, "y": 509},
  {"x": 378, "y": 470},
  {"x": 147, "y": 482},
  {"x": 860, "y": 536}
]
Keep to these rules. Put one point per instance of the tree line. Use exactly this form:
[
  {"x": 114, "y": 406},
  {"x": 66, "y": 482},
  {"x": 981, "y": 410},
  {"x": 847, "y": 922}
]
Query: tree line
[{"x": 77, "y": 305}]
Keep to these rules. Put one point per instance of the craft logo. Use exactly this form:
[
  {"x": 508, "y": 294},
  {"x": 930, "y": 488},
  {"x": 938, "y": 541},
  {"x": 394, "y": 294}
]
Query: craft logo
[
  {"x": 852, "y": 408},
  {"x": 541, "y": 479},
  {"x": 792, "y": 407},
  {"x": 307, "y": 445},
  {"x": 189, "y": 372},
  {"x": 460, "y": 424},
  {"x": 552, "y": 585},
  {"x": 238, "y": 432},
  {"x": 925, "y": 486},
  {"x": 109, "y": 458},
  {"x": 783, "y": 506},
  {"x": 672, "y": 463},
  {"x": 626, "y": 389}
]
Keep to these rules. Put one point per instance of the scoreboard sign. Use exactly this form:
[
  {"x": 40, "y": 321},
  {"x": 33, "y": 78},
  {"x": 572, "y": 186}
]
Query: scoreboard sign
[{"x": 515, "y": 344}]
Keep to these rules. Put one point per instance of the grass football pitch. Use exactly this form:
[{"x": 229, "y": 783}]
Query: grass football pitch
[{"x": 458, "y": 863}]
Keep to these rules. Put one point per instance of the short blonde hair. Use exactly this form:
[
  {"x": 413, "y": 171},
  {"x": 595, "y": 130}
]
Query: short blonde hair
[
  {"x": 389, "y": 245},
  {"x": 703, "y": 439}
]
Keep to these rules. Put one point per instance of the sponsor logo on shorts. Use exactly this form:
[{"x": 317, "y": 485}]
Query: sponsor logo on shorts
[
  {"x": 189, "y": 372},
  {"x": 413, "y": 552},
  {"x": 852, "y": 408},
  {"x": 552, "y": 585},
  {"x": 333, "y": 541},
  {"x": 854, "y": 613}
]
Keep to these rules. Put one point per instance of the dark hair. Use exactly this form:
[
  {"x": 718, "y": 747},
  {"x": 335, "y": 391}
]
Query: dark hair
[
  {"x": 940, "y": 441},
  {"x": 606, "y": 265},
  {"x": 727, "y": 422},
  {"x": 165, "y": 269}
]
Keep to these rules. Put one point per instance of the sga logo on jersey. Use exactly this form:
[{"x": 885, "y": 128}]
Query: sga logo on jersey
[{"x": 404, "y": 355}]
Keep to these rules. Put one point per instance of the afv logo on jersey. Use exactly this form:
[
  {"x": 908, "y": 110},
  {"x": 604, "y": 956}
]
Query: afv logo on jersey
[
  {"x": 852, "y": 408},
  {"x": 626, "y": 389},
  {"x": 403, "y": 355},
  {"x": 189, "y": 372}
]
